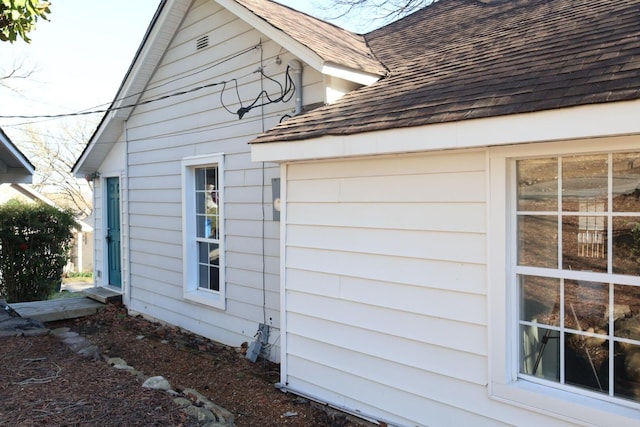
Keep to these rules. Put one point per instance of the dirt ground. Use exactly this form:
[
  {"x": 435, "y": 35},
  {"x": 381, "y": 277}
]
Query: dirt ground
[{"x": 42, "y": 382}]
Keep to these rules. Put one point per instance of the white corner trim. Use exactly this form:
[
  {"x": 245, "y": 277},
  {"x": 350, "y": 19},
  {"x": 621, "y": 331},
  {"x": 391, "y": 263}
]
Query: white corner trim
[{"x": 590, "y": 121}]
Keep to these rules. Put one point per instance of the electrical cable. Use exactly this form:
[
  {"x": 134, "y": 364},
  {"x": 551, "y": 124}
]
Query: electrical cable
[{"x": 286, "y": 93}]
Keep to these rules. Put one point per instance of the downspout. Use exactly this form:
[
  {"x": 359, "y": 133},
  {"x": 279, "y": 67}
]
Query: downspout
[
  {"x": 296, "y": 67},
  {"x": 127, "y": 203}
]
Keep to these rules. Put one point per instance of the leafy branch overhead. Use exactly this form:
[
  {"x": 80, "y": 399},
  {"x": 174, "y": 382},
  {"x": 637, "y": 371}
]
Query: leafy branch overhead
[{"x": 19, "y": 17}]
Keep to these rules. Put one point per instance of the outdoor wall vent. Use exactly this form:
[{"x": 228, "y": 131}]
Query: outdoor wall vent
[{"x": 202, "y": 42}]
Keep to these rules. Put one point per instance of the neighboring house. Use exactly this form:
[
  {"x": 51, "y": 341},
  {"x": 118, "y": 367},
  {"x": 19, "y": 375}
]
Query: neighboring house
[
  {"x": 184, "y": 222},
  {"x": 460, "y": 240},
  {"x": 81, "y": 257},
  {"x": 14, "y": 166}
]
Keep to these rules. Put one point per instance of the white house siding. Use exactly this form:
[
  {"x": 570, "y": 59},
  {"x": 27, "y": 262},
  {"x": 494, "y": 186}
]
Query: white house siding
[
  {"x": 385, "y": 299},
  {"x": 162, "y": 133}
]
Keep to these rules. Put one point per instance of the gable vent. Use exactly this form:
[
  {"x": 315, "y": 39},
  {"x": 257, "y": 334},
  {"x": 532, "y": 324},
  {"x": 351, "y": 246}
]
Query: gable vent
[{"x": 202, "y": 42}]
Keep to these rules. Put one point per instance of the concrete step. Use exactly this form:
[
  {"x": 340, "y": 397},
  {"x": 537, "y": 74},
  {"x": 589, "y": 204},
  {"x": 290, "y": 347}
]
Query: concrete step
[
  {"x": 57, "y": 309},
  {"x": 103, "y": 295}
]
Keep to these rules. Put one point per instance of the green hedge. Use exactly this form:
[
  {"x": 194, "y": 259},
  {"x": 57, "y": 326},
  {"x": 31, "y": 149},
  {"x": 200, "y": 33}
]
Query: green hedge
[{"x": 35, "y": 240}]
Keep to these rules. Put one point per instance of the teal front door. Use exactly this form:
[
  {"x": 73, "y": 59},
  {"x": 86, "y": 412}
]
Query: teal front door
[{"x": 113, "y": 232}]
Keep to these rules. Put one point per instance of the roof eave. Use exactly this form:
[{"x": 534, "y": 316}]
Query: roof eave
[
  {"x": 299, "y": 50},
  {"x": 296, "y": 48},
  {"x": 571, "y": 123},
  {"x": 19, "y": 169}
]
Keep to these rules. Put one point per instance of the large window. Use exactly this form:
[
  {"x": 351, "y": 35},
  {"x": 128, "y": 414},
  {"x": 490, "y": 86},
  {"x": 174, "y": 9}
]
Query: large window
[
  {"x": 575, "y": 272},
  {"x": 202, "y": 228}
]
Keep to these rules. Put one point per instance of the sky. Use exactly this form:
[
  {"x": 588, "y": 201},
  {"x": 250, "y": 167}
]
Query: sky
[{"x": 80, "y": 57}]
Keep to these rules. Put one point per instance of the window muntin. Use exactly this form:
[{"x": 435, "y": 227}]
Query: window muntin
[{"x": 578, "y": 230}]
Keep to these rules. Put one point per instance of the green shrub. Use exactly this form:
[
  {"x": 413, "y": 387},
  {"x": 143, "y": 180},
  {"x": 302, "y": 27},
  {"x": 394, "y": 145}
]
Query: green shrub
[{"x": 35, "y": 240}]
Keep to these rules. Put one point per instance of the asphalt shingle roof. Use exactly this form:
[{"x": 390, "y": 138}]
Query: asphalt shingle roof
[
  {"x": 333, "y": 44},
  {"x": 463, "y": 59}
]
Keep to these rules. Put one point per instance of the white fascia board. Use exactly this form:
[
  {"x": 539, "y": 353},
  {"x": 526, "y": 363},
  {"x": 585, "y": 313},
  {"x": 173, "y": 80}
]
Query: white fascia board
[
  {"x": 349, "y": 74},
  {"x": 155, "y": 43},
  {"x": 151, "y": 52},
  {"x": 590, "y": 121},
  {"x": 14, "y": 152},
  {"x": 31, "y": 192},
  {"x": 296, "y": 48},
  {"x": 108, "y": 127}
]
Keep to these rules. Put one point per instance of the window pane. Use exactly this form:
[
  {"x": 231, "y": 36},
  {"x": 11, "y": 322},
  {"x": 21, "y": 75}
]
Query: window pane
[
  {"x": 214, "y": 278},
  {"x": 584, "y": 243},
  {"x": 203, "y": 253},
  {"x": 200, "y": 179},
  {"x": 538, "y": 185},
  {"x": 540, "y": 300},
  {"x": 626, "y": 313},
  {"x": 584, "y": 177},
  {"x": 626, "y": 182},
  {"x": 627, "y": 372},
  {"x": 587, "y": 362},
  {"x": 585, "y": 306},
  {"x": 626, "y": 245},
  {"x": 540, "y": 352},
  {"x": 207, "y": 198},
  {"x": 208, "y": 266},
  {"x": 203, "y": 276},
  {"x": 538, "y": 241}
]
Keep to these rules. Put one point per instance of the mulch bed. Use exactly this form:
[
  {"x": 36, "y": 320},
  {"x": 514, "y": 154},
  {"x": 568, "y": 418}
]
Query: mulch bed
[{"x": 42, "y": 382}]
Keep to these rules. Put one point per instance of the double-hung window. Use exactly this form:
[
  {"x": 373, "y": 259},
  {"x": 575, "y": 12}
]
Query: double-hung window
[
  {"x": 570, "y": 342},
  {"x": 203, "y": 222}
]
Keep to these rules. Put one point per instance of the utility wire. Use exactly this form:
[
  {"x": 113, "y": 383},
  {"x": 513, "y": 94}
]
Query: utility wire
[
  {"x": 181, "y": 77},
  {"x": 286, "y": 93},
  {"x": 106, "y": 110}
]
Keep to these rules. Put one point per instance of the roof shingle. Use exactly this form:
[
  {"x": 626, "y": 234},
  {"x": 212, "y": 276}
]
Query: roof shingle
[
  {"x": 463, "y": 59},
  {"x": 332, "y": 43}
]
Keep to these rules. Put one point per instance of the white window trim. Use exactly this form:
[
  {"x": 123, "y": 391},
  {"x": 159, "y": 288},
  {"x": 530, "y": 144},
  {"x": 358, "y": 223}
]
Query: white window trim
[
  {"x": 504, "y": 385},
  {"x": 191, "y": 290}
]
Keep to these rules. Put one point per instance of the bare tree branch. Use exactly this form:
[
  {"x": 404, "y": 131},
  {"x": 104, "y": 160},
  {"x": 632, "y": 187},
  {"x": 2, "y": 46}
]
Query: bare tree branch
[
  {"x": 379, "y": 11},
  {"x": 53, "y": 156}
]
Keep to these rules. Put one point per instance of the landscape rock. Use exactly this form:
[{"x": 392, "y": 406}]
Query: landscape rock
[
  {"x": 35, "y": 332},
  {"x": 58, "y": 332},
  {"x": 90, "y": 352},
  {"x": 182, "y": 402},
  {"x": 12, "y": 324},
  {"x": 201, "y": 414},
  {"x": 76, "y": 343},
  {"x": 157, "y": 383},
  {"x": 116, "y": 361}
]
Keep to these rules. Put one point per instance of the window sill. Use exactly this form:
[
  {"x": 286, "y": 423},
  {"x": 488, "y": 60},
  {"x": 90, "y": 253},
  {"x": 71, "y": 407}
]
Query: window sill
[
  {"x": 564, "y": 405},
  {"x": 211, "y": 299}
]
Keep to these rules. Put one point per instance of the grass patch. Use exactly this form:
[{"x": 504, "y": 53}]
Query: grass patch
[{"x": 65, "y": 294}]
